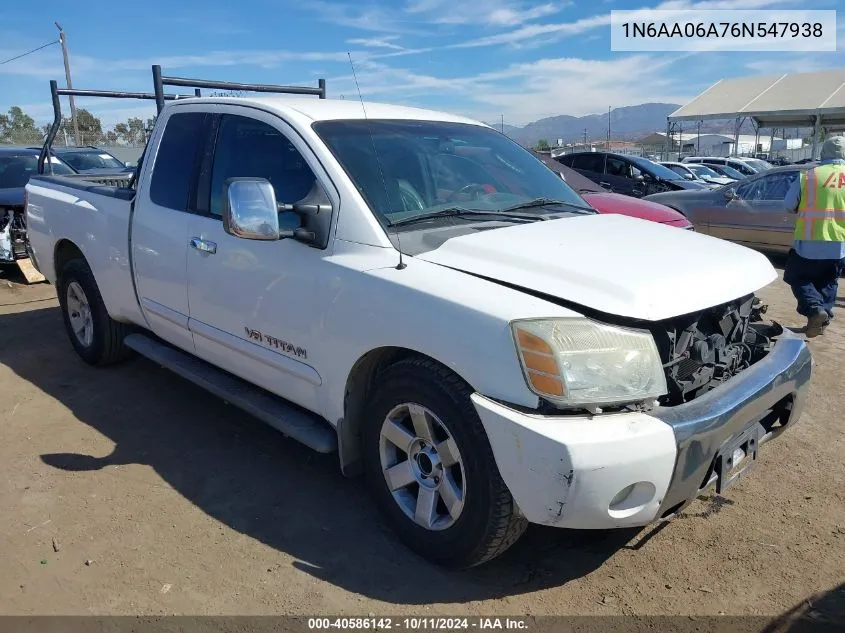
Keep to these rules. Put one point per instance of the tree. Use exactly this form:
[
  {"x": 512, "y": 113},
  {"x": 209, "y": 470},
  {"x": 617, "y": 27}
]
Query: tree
[
  {"x": 131, "y": 132},
  {"x": 18, "y": 127},
  {"x": 90, "y": 127},
  {"x": 542, "y": 145}
]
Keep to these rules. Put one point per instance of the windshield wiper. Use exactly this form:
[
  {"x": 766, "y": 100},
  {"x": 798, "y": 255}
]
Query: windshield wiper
[
  {"x": 460, "y": 212},
  {"x": 547, "y": 202}
]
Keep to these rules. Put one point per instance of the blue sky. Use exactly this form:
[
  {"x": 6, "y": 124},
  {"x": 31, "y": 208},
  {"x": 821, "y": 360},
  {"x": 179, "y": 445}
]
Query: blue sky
[{"x": 525, "y": 59}]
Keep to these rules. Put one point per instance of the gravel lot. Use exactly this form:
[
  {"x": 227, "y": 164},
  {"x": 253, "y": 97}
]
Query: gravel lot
[{"x": 129, "y": 491}]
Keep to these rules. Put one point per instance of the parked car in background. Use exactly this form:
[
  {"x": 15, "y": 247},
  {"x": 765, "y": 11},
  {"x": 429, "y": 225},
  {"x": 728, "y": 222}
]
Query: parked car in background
[
  {"x": 91, "y": 160},
  {"x": 17, "y": 164},
  {"x": 751, "y": 212},
  {"x": 747, "y": 166},
  {"x": 629, "y": 175},
  {"x": 606, "y": 202},
  {"x": 707, "y": 173},
  {"x": 698, "y": 171},
  {"x": 724, "y": 170}
]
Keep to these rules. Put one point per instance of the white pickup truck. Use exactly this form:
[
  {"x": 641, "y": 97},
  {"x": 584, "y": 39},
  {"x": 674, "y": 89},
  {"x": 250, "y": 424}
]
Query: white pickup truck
[{"x": 418, "y": 293}]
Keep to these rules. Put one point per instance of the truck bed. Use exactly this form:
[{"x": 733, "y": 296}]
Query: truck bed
[
  {"x": 111, "y": 185},
  {"x": 81, "y": 212}
]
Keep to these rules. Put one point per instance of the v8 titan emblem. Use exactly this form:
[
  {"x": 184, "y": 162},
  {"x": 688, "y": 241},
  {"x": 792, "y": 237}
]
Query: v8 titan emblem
[{"x": 275, "y": 343}]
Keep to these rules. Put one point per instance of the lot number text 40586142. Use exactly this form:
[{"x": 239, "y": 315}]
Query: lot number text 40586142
[{"x": 417, "y": 624}]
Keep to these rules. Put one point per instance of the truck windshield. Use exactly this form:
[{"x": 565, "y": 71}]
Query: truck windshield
[{"x": 409, "y": 168}]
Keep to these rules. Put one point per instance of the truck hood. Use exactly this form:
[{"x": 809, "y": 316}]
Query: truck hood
[{"x": 611, "y": 263}]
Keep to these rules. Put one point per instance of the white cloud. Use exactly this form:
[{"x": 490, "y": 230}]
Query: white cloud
[
  {"x": 109, "y": 111},
  {"x": 779, "y": 63},
  {"x": 525, "y": 92},
  {"x": 492, "y": 12},
  {"x": 365, "y": 18},
  {"x": 386, "y": 41},
  {"x": 400, "y": 17},
  {"x": 533, "y": 34}
]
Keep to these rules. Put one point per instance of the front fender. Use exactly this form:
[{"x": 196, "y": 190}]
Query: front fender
[{"x": 459, "y": 320}]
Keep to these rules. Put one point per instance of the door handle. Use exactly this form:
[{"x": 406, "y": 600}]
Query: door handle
[
  {"x": 203, "y": 245},
  {"x": 606, "y": 185}
]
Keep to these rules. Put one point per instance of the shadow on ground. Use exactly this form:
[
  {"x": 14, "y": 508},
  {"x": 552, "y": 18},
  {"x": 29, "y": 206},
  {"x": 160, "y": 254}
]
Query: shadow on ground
[
  {"x": 820, "y": 613},
  {"x": 250, "y": 478}
]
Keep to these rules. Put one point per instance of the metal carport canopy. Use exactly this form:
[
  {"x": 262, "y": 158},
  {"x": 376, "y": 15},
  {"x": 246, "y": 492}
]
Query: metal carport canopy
[{"x": 789, "y": 100}]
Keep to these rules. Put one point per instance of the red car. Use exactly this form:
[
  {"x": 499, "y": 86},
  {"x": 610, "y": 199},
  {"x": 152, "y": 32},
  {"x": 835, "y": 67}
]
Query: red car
[{"x": 606, "y": 202}]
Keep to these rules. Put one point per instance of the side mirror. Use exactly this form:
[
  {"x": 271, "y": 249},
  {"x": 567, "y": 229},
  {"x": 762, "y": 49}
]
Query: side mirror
[
  {"x": 731, "y": 194},
  {"x": 131, "y": 164},
  {"x": 250, "y": 210},
  {"x": 639, "y": 177}
]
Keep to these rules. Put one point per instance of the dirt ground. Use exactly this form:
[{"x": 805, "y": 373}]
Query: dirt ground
[{"x": 129, "y": 491}]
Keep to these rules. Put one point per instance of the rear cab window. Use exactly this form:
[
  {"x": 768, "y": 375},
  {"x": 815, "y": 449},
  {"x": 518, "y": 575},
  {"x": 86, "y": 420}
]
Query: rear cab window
[{"x": 176, "y": 160}]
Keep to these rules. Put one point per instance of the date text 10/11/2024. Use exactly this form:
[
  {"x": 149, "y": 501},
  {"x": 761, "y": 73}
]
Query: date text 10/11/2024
[{"x": 416, "y": 624}]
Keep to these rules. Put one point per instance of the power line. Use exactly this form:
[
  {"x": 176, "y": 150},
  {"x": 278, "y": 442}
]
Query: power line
[{"x": 34, "y": 50}]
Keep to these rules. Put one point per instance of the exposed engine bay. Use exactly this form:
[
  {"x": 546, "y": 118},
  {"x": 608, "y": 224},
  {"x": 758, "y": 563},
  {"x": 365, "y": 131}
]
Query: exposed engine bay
[
  {"x": 700, "y": 351},
  {"x": 12, "y": 235}
]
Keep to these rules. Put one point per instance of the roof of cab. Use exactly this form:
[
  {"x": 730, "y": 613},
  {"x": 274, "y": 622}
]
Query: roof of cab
[{"x": 331, "y": 109}]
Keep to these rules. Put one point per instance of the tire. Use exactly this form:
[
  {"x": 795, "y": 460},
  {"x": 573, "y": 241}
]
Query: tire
[
  {"x": 486, "y": 524},
  {"x": 103, "y": 345}
]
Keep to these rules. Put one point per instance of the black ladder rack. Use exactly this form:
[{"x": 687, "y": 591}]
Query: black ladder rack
[
  {"x": 159, "y": 96},
  {"x": 160, "y": 81}
]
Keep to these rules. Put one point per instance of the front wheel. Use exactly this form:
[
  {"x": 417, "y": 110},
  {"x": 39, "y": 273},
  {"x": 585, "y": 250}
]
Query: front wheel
[
  {"x": 96, "y": 337},
  {"x": 431, "y": 468}
]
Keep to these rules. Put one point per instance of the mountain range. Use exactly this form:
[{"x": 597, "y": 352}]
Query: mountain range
[{"x": 629, "y": 123}]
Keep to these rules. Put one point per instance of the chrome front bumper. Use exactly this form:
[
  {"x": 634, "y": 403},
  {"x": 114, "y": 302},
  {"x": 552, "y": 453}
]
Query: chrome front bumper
[{"x": 761, "y": 402}]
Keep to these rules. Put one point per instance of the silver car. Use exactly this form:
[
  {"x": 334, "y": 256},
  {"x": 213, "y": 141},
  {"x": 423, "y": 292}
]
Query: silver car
[{"x": 751, "y": 212}]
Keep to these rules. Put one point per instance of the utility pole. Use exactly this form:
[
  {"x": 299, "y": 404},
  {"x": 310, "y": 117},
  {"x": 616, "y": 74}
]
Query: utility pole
[
  {"x": 608, "y": 127},
  {"x": 63, "y": 41},
  {"x": 585, "y": 138},
  {"x": 503, "y": 124}
]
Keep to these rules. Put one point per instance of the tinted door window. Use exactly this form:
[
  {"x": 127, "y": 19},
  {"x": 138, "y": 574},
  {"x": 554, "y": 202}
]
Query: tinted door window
[
  {"x": 175, "y": 162},
  {"x": 749, "y": 190},
  {"x": 247, "y": 147},
  {"x": 774, "y": 186},
  {"x": 742, "y": 168},
  {"x": 565, "y": 160},
  {"x": 589, "y": 162},
  {"x": 618, "y": 167}
]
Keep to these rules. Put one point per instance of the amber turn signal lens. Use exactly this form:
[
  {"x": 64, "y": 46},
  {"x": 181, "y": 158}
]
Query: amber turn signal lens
[
  {"x": 540, "y": 365},
  {"x": 546, "y": 384},
  {"x": 530, "y": 342},
  {"x": 540, "y": 362}
]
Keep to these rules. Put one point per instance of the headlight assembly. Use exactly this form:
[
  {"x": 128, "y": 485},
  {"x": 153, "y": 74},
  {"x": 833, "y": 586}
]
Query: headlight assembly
[{"x": 580, "y": 362}]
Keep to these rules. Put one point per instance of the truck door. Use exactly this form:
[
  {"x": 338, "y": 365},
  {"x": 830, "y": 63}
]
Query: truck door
[
  {"x": 159, "y": 232},
  {"x": 255, "y": 304}
]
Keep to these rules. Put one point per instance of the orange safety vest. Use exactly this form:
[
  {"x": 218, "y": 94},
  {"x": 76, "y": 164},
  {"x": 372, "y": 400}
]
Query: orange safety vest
[{"x": 821, "y": 211}]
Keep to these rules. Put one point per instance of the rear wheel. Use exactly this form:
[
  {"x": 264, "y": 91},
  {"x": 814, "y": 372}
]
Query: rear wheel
[
  {"x": 96, "y": 337},
  {"x": 431, "y": 468}
]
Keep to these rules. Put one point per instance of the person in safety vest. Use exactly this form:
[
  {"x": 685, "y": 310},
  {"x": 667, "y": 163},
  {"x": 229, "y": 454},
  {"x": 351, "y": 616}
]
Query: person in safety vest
[{"x": 817, "y": 257}]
